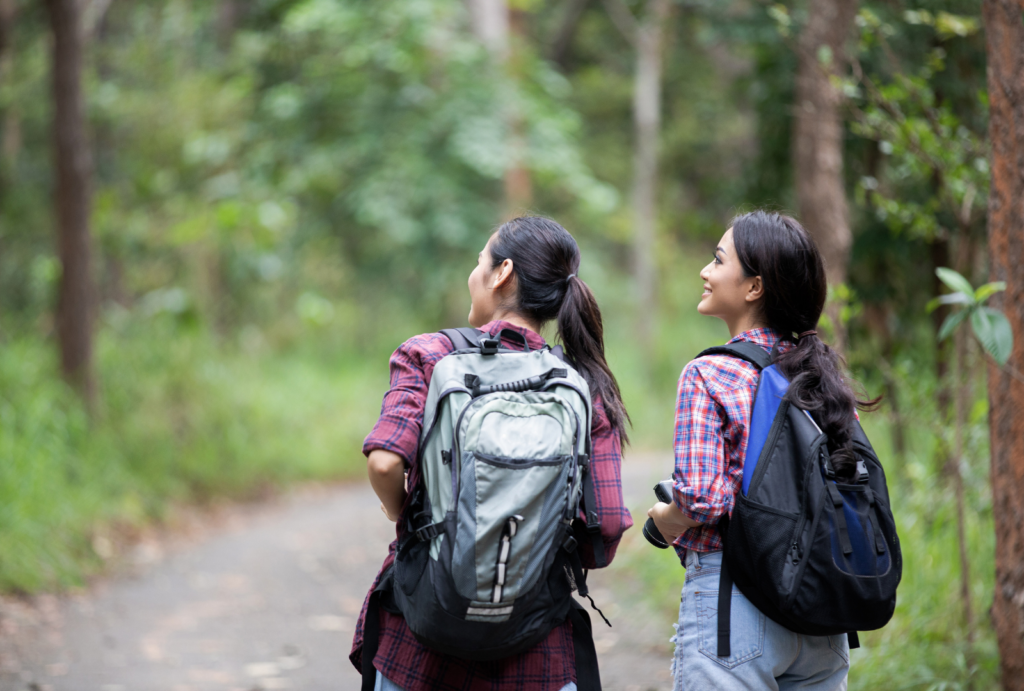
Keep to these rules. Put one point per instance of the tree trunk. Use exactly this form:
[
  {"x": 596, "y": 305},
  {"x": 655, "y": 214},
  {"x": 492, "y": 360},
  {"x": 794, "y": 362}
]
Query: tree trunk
[
  {"x": 493, "y": 25},
  {"x": 11, "y": 141},
  {"x": 650, "y": 37},
  {"x": 558, "y": 53},
  {"x": 1004, "y": 27},
  {"x": 818, "y": 141},
  {"x": 73, "y": 165},
  {"x": 229, "y": 14}
]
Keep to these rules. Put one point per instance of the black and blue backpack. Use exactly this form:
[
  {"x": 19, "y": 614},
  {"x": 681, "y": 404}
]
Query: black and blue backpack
[{"x": 814, "y": 552}]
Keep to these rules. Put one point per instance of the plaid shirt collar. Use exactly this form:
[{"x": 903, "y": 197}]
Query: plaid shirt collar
[
  {"x": 533, "y": 339},
  {"x": 762, "y": 336}
]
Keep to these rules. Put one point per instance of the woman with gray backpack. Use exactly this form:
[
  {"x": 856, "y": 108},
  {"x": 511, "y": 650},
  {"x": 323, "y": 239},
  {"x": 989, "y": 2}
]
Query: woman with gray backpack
[
  {"x": 779, "y": 509},
  {"x": 499, "y": 459}
]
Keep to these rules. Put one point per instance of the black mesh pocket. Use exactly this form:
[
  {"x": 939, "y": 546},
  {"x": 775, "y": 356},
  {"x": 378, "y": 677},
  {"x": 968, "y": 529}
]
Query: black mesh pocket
[{"x": 758, "y": 545}]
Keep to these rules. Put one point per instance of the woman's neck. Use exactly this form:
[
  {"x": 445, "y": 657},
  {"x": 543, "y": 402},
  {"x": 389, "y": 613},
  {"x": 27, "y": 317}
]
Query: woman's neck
[
  {"x": 743, "y": 324},
  {"x": 515, "y": 319}
]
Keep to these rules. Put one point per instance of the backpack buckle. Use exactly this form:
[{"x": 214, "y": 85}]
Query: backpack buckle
[
  {"x": 429, "y": 532},
  {"x": 489, "y": 346}
]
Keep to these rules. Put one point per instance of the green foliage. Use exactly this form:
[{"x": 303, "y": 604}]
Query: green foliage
[
  {"x": 990, "y": 326},
  {"x": 180, "y": 421}
]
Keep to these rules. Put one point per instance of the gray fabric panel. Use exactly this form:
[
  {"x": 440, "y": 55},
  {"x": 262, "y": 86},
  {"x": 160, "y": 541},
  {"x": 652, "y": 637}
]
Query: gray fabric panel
[
  {"x": 464, "y": 550},
  {"x": 520, "y": 435},
  {"x": 502, "y": 492},
  {"x": 551, "y": 528}
]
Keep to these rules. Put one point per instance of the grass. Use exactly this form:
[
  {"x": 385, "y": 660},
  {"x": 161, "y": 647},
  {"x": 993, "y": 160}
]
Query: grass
[{"x": 180, "y": 420}]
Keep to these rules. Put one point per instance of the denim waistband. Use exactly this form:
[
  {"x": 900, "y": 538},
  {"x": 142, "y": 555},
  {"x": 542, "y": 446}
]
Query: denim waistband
[{"x": 702, "y": 563}]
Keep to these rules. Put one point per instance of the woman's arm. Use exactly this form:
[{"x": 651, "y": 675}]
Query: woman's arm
[
  {"x": 670, "y": 520},
  {"x": 700, "y": 496},
  {"x": 387, "y": 477}
]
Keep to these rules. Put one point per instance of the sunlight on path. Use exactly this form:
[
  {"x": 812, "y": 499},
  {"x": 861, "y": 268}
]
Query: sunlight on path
[{"x": 269, "y": 602}]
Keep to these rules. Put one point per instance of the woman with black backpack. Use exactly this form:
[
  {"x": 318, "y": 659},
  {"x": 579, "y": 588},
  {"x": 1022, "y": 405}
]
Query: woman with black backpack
[
  {"x": 767, "y": 283},
  {"x": 526, "y": 276}
]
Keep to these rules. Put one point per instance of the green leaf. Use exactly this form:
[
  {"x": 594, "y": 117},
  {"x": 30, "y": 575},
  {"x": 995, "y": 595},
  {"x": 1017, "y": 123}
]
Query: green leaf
[
  {"x": 949, "y": 299},
  {"x": 993, "y": 331},
  {"x": 954, "y": 281},
  {"x": 988, "y": 290},
  {"x": 953, "y": 321}
]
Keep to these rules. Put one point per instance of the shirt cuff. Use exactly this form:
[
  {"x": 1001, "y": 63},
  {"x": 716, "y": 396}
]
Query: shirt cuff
[{"x": 697, "y": 507}]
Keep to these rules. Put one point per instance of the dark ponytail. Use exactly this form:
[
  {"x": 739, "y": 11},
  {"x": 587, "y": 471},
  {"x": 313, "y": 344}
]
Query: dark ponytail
[
  {"x": 545, "y": 260},
  {"x": 782, "y": 253}
]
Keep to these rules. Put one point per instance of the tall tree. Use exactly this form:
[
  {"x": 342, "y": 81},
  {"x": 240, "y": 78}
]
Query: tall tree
[
  {"x": 818, "y": 139},
  {"x": 11, "y": 137},
  {"x": 73, "y": 165},
  {"x": 494, "y": 25},
  {"x": 1004, "y": 26},
  {"x": 648, "y": 38}
]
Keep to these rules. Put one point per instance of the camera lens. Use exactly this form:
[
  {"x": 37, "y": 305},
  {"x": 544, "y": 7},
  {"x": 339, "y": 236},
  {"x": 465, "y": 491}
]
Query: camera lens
[{"x": 653, "y": 535}]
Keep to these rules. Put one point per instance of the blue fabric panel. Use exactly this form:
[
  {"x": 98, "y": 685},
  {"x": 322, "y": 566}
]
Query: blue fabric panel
[
  {"x": 769, "y": 396},
  {"x": 864, "y": 561}
]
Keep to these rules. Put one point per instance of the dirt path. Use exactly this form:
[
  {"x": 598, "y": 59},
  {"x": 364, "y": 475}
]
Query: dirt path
[{"x": 267, "y": 600}]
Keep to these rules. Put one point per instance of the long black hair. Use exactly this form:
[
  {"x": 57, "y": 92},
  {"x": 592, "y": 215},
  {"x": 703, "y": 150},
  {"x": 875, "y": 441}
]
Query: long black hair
[
  {"x": 779, "y": 250},
  {"x": 545, "y": 260}
]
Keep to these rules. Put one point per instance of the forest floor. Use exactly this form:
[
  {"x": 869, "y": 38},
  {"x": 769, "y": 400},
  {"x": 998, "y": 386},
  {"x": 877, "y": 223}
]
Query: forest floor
[{"x": 265, "y": 596}]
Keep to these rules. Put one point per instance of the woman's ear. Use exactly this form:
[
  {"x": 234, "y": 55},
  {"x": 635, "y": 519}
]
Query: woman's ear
[
  {"x": 756, "y": 290},
  {"x": 503, "y": 275}
]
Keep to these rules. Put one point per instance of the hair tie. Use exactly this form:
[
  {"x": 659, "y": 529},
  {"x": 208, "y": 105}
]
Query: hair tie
[
  {"x": 570, "y": 276},
  {"x": 812, "y": 332}
]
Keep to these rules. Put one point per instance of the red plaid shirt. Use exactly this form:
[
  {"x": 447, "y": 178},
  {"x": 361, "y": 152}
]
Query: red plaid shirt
[
  {"x": 713, "y": 407},
  {"x": 548, "y": 666}
]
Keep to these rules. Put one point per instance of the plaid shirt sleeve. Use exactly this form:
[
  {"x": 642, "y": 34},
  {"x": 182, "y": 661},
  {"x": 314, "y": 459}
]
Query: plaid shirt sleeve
[
  {"x": 701, "y": 491},
  {"x": 401, "y": 415},
  {"x": 606, "y": 466}
]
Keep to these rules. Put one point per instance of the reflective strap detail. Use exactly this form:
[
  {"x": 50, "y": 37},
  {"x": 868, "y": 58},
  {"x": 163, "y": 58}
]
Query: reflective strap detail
[
  {"x": 489, "y": 611},
  {"x": 511, "y": 526}
]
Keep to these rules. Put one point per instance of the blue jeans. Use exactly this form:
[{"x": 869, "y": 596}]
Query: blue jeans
[
  {"x": 385, "y": 684},
  {"x": 765, "y": 655}
]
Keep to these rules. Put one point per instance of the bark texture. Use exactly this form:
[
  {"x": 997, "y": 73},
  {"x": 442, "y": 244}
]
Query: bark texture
[
  {"x": 1004, "y": 27},
  {"x": 650, "y": 39},
  {"x": 818, "y": 137},
  {"x": 73, "y": 166},
  {"x": 495, "y": 26},
  {"x": 11, "y": 138}
]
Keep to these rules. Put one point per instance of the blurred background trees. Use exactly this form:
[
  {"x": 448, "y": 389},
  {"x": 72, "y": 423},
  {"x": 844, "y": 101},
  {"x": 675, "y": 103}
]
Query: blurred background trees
[{"x": 276, "y": 193}]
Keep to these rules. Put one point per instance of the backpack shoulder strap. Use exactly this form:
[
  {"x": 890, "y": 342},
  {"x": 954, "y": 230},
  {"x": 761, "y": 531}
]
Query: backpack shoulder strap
[
  {"x": 464, "y": 337},
  {"x": 744, "y": 350}
]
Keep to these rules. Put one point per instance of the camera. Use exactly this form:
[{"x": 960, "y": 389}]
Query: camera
[{"x": 663, "y": 491}]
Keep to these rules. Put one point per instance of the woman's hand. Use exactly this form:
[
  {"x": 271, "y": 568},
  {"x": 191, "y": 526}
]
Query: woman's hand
[
  {"x": 670, "y": 520},
  {"x": 387, "y": 477}
]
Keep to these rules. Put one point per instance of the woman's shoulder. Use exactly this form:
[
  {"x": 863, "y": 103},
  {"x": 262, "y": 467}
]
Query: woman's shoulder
[
  {"x": 718, "y": 373},
  {"x": 423, "y": 350}
]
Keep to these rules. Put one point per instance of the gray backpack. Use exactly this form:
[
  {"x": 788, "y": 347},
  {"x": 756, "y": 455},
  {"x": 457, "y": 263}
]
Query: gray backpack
[{"x": 488, "y": 560}]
